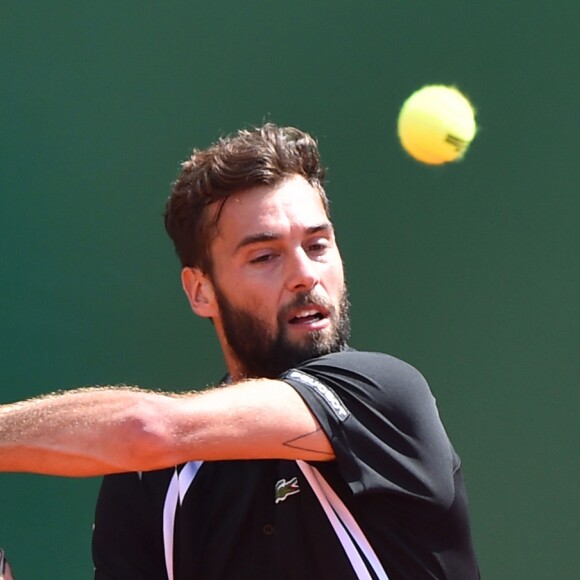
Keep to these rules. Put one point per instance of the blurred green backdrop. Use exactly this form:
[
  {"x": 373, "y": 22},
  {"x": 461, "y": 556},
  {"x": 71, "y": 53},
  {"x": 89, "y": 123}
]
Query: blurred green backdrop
[{"x": 468, "y": 271}]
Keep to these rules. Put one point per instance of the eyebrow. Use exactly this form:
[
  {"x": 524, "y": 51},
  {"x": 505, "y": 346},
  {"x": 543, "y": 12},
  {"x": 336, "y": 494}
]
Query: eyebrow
[{"x": 272, "y": 236}]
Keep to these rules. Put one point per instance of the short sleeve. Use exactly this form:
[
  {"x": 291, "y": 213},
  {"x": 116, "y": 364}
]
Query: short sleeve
[{"x": 382, "y": 422}]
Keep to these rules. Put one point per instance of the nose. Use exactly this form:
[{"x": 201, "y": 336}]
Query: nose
[{"x": 302, "y": 272}]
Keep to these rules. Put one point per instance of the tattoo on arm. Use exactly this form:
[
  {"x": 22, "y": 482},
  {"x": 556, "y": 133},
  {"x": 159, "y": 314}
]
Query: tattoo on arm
[{"x": 301, "y": 442}]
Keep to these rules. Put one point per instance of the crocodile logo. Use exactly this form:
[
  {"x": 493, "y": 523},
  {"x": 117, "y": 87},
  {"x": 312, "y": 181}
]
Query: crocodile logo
[{"x": 285, "y": 489}]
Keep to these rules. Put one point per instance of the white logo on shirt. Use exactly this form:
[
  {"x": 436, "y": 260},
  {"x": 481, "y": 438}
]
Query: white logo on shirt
[{"x": 335, "y": 403}]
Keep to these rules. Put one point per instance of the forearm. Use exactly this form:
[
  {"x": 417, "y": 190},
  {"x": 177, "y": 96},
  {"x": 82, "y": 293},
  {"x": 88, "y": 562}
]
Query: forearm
[{"x": 82, "y": 433}]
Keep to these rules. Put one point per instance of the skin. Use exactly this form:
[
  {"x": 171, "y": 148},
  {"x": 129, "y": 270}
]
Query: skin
[
  {"x": 273, "y": 244},
  {"x": 7, "y": 573}
]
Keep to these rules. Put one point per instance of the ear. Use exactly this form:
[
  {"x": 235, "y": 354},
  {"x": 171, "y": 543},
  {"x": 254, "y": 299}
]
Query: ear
[{"x": 199, "y": 292}]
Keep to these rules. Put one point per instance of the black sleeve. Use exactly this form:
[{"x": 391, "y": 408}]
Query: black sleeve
[
  {"x": 382, "y": 421},
  {"x": 128, "y": 536}
]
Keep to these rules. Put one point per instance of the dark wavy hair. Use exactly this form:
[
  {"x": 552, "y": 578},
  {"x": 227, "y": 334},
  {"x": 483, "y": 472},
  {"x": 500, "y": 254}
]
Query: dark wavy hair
[{"x": 266, "y": 155}]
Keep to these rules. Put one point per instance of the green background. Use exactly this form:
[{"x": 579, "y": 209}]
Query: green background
[{"x": 468, "y": 271}]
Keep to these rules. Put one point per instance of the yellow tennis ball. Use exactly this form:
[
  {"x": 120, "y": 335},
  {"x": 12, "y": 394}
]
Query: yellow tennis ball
[{"x": 436, "y": 124}]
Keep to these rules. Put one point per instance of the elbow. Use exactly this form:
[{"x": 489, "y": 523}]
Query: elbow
[{"x": 146, "y": 439}]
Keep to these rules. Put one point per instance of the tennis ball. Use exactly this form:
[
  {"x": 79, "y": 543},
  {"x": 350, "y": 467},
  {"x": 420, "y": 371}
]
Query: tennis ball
[{"x": 436, "y": 124}]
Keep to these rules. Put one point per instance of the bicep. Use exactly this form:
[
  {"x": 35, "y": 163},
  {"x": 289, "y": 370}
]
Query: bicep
[{"x": 254, "y": 419}]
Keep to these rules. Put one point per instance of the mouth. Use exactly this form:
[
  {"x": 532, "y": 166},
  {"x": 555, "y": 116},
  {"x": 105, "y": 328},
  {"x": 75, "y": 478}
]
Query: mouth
[{"x": 312, "y": 317}]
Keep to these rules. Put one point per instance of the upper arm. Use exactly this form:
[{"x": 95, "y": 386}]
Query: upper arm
[{"x": 254, "y": 419}]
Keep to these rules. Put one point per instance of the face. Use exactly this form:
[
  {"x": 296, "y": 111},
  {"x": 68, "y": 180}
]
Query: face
[{"x": 278, "y": 281}]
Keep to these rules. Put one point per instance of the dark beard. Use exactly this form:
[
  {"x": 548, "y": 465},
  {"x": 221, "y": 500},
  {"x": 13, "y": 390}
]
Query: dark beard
[{"x": 265, "y": 356}]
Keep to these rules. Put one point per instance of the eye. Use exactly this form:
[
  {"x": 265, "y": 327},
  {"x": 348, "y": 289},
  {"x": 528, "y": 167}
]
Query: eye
[
  {"x": 263, "y": 258},
  {"x": 318, "y": 247}
]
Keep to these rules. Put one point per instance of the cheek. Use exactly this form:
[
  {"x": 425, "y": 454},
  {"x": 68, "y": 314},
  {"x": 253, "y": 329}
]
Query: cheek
[
  {"x": 261, "y": 288},
  {"x": 336, "y": 278}
]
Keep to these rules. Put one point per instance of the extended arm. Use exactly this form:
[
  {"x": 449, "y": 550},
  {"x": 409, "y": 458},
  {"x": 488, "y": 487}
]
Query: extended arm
[{"x": 96, "y": 431}]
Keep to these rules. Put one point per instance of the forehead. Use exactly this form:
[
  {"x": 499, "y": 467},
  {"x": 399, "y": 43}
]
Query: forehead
[{"x": 291, "y": 206}]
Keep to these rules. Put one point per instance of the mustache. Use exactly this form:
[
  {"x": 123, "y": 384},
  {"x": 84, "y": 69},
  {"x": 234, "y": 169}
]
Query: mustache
[{"x": 305, "y": 299}]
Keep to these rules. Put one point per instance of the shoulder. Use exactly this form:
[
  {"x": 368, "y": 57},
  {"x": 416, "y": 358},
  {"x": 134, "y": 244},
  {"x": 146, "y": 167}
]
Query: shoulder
[
  {"x": 375, "y": 380},
  {"x": 371, "y": 367}
]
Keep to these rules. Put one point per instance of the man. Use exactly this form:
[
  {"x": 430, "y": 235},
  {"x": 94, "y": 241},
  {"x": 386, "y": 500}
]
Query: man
[{"x": 311, "y": 460}]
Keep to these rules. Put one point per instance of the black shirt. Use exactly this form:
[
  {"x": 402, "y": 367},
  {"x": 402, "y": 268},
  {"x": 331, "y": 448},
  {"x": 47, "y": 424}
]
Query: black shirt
[{"x": 392, "y": 505}]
